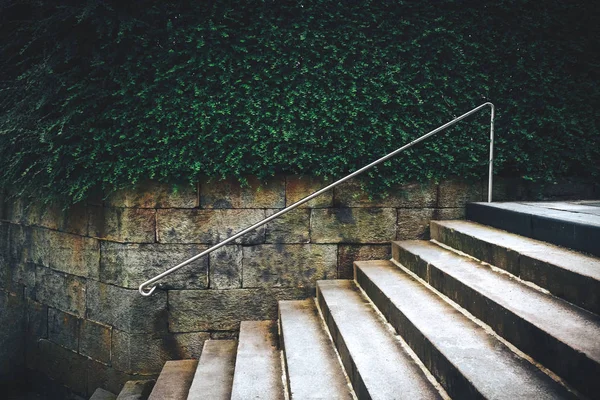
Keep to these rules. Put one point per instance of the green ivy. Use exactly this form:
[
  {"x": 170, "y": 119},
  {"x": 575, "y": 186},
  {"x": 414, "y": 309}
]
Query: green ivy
[{"x": 103, "y": 94}]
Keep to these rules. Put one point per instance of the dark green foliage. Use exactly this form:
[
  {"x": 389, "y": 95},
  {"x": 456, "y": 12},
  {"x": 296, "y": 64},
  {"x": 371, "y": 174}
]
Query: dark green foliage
[{"x": 101, "y": 94}]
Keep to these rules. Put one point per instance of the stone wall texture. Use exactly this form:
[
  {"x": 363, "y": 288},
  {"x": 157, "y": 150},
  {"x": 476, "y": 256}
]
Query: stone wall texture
[{"x": 70, "y": 310}]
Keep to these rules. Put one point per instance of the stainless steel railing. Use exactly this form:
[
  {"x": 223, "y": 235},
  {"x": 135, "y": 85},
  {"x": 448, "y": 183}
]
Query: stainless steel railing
[{"x": 148, "y": 291}]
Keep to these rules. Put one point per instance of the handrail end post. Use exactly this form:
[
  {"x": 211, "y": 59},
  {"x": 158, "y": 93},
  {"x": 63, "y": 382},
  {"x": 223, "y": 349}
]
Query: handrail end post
[
  {"x": 148, "y": 293},
  {"x": 491, "y": 161}
]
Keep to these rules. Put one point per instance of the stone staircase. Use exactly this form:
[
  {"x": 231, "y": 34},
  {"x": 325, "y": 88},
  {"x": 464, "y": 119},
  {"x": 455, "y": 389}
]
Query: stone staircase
[{"x": 489, "y": 308}]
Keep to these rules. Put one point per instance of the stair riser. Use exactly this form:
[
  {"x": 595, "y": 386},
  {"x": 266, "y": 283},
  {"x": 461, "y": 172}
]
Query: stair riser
[
  {"x": 498, "y": 256},
  {"x": 575, "y": 288},
  {"x": 282, "y": 347},
  {"x": 574, "y": 367},
  {"x": 563, "y": 233},
  {"x": 444, "y": 371},
  {"x": 357, "y": 382}
]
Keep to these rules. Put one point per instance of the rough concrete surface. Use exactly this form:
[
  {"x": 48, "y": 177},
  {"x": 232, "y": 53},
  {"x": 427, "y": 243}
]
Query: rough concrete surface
[
  {"x": 258, "y": 373},
  {"x": 214, "y": 376}
]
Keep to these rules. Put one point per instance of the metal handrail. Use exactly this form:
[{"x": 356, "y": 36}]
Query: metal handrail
[{"x": 331, "y": 186}]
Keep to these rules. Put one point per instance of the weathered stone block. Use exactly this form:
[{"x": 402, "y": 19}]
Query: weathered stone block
[
  {"x": 353, "y": 225},
  {"x": 410, "y": 195},
  {"x": 292, "y": 227},
  {"x": 561, "y": 190},
  {"x": 132, "y": 225},
  {"x": 413, "y": 223},
  {"x": 126, "y": 309},
  {"x": 155, "y": 195},
  {"x": 226, "y": 267},
  {"x": 441, "y": 214},
  {"x": 95, "y": 340},
  {"x": 12, "y": 325},
  {"x": 101, "y": 394},
  {"x": 3, "y": 196},
  {"x": 54, "y": 216},
  {"x": 4, "y": 240},
  {"x": 39, "y": 382},
  {"x": 36, "y": 320},
  {"x": 230, "y": 194},
  {"x": 208, "y": 226},
  {"x": 63, "y": 365},
  {"x": 104, "y": 376},
  {"x": 72, "y": 254},
  {"x": 63, "y": 329},
  {"x": 506, "y": 189},
  {"x": 201, "y": 310},
  {"x": 456, "y": 193},
  {"x": 288, "y": 265},
  {"x": 17, "y": 276},
  {"x": 347, "y": 254},
  {"x": 19, "y": 242},
  {"x": 128, "y": 265},
  {"x": 298, "y": 187},
  {"x": 14, "y": 210},
  {"x": 147, "y": 353},
  {"x": 224, "y": 335},
  {"x": 36, "y": 327},
  {"x": 59, "y": 290}
]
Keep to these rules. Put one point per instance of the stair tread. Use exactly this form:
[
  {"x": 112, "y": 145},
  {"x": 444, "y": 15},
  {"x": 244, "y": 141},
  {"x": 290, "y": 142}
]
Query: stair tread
[
  {"x": 575, "y": 230},
  {"x": 377, "y": 364},
  {"x": 174, "y": 380},
  {"x": 214, "y": 375},
  {"x": 562, "y": 215},
  {"x": 573, "y": 326},
  {"x": 562, "y": 257},
  {"x": 577, "y": 207},
  {"x": 468, "y": 347},
  {"x": 101, "y": 394},
  {"x": 258, "y": 371},
  {"x": 313, "y": 368},
  {"x": 136, "y": 390}
]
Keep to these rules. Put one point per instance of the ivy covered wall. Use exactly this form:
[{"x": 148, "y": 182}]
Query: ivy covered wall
[{"x": 104, "y": 93}]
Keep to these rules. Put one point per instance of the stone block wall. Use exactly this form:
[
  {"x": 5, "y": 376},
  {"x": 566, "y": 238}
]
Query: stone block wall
[{"x": 70, "y": 310}]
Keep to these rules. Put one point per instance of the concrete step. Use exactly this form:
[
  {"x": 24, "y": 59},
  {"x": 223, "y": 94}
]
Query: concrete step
[
  {"x": 174, "y": 380},
  {"x": 101, "y": 394},
  {"x": 575, "y": 230},
  {"x": 582, "y": 206},
  {"x": 136, "y": 390},
  {"x": 258, "y": 373},
  {"x": 214, "y": 375},
  {"x": 313, "y": 369},
  {"x": 465, "y": 359},
  {"x": 570, "y": 275},
  {"x": 376, "y": 363},
  {"x": 561, "y": 336}
]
